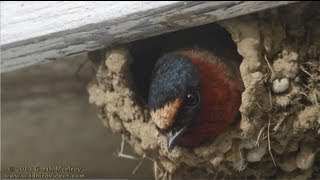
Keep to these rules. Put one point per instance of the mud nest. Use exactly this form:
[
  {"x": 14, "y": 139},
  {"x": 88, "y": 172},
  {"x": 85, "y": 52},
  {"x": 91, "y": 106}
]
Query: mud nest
[{"x": 278, "y": 135}]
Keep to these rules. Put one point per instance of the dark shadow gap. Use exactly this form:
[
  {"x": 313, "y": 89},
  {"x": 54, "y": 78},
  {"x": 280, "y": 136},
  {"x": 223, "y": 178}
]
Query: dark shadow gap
[{"x": 146, "y": 52}]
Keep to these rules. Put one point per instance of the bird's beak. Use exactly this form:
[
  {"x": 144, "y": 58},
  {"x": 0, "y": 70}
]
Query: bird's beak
[{"x": 173, "y": 136}]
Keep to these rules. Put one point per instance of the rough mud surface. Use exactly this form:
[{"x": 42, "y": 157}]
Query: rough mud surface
[{"x": 278, "y": 135}]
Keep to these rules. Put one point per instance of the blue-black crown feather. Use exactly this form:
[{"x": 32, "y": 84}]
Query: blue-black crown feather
[{"x": 172, "y": 76}]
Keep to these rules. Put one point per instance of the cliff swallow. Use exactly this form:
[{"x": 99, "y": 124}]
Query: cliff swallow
[{"x": 194, "y": 95}]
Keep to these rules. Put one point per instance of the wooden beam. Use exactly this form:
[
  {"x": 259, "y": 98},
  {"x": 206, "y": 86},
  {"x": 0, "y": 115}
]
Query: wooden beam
[{"x": 38, "y": 32}]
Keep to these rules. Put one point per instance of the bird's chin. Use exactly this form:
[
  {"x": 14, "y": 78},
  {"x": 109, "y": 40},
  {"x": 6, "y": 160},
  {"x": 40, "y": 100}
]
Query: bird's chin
[{"x": 174, "y": 136}]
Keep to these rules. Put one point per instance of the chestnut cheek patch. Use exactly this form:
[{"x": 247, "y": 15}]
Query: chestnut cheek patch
[{"x": 164, "y": 117}]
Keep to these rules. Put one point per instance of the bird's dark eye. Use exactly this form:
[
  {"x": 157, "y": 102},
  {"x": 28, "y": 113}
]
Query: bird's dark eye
[{"x": 192, "y": 98}]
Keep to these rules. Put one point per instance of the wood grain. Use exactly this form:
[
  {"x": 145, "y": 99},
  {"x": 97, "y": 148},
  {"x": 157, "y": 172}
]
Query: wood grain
[{"x": 39, "y": 32}]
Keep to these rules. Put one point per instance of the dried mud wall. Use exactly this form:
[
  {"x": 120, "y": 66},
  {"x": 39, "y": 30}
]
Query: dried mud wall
[{"x": 278, "y": 135}]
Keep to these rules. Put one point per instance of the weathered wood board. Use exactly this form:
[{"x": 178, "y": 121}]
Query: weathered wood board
[{"x": 38, "y": 32}]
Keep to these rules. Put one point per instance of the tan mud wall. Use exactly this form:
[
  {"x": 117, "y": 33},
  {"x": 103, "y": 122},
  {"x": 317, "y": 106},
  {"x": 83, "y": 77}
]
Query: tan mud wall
[
  {"x": 278, "y": 135},
  {"x": 46, "y": 120}
]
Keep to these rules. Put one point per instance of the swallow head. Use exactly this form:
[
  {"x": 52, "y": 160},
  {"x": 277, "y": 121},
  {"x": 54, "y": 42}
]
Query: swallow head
[{"x": 174, "y": 96}]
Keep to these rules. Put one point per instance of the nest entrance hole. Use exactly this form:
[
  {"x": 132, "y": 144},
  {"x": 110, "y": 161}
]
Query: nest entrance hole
[{"x": 146, "y": 52}]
